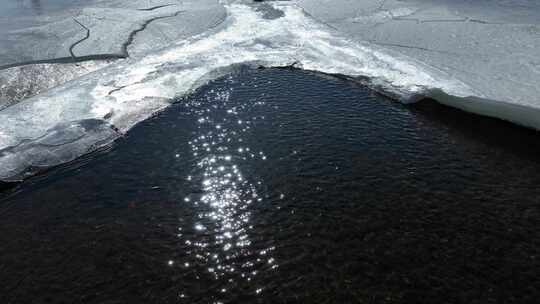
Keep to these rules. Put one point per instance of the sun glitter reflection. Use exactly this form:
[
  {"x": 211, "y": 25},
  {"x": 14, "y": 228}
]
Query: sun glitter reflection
[{"x": 223, "y": 249}]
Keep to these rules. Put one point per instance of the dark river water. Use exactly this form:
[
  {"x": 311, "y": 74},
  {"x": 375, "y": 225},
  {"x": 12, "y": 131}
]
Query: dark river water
[{"x": 283, "y": 186}]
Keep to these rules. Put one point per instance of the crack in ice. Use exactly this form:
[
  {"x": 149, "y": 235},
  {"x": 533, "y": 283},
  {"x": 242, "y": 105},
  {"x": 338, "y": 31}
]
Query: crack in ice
[{"x": 150, "y": 84}]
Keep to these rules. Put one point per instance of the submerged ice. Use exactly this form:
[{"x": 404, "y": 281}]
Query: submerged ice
[{"x": 124, "y": 93}]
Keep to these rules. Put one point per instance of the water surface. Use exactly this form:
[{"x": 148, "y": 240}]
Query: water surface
[{"x": 284, "y": 186}]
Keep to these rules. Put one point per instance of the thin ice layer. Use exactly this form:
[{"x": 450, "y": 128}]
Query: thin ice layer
[{"x": 61, "y": 144}]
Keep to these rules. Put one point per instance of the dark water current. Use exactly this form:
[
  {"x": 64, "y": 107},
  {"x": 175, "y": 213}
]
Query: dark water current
[{"x": 283, "y": 186}]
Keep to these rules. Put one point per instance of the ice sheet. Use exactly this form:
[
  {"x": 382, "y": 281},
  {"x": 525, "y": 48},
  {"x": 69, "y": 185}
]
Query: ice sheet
[{"x": 129, "y": 91}]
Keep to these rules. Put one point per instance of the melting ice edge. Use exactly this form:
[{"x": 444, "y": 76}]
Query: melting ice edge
[{"x": 92, "y": 111}]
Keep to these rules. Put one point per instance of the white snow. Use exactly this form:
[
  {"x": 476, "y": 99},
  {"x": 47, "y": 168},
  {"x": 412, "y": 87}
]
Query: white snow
[{"x": 129, "y": 91}]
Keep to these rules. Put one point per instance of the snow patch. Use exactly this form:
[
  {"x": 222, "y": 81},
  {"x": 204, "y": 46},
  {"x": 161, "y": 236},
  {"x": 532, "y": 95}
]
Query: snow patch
[{"x": 127, "y": 92}]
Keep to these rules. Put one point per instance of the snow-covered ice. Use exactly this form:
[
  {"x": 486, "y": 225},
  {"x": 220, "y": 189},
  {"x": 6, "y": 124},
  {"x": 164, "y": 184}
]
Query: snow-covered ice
[
  {"x": 491, "y": 45},
  {"x": 315, "y": 35}
]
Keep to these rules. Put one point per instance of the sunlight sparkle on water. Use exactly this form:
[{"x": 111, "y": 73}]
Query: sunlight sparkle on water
[{"x": 222, "y": 203}]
